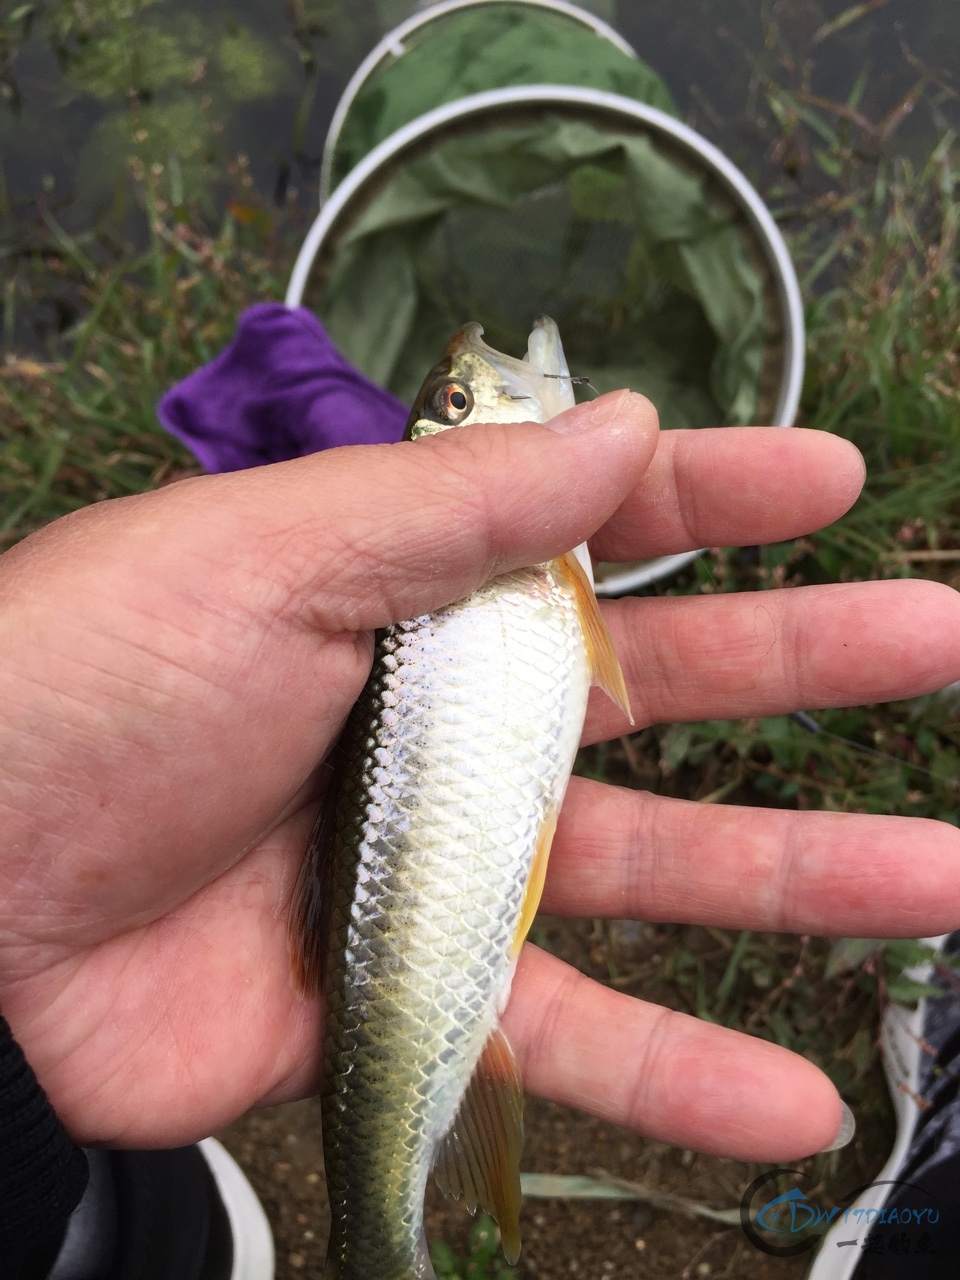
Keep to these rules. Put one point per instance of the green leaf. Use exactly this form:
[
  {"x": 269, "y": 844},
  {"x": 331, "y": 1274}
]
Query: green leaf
[
  {"x": 907, "y": 953},
  {"x": 547, "y": 1186},
  {"x": 250, "y": 66},
  {"x": 906, "y": 991},
  {"x": 849, "y": 954},
  {"x": 445, "y": 1261},
  {"x": 863, "y": 1050},
  {"x": 484, "y": 1239},
  {"x": 675, "y": 747},
  {"x": 828, "y": 162}
]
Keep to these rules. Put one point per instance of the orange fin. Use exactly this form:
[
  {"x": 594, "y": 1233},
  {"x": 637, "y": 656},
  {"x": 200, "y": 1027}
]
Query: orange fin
[
  {"x": 604, "y": 667},
  {"x": 479, "y": 1158},
  {"x": 538, "y": 875},
  {"x": 309, "y": 921}
]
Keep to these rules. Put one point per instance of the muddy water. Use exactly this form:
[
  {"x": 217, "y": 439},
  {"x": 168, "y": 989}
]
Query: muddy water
[{"x": 83, "y": 88}]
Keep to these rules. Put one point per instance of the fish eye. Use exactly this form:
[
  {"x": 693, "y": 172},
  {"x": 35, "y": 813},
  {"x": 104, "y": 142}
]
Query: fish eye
[{"x": 452, "y": 402}]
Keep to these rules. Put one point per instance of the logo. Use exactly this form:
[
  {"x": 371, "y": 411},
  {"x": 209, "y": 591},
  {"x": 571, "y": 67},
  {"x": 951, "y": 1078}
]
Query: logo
[{"x": 894, "y": 1218}]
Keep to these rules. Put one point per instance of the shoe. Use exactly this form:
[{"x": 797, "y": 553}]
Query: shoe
[
  {"x": 907, "y": 1221},
  {"x": 186, "y": 1214}
]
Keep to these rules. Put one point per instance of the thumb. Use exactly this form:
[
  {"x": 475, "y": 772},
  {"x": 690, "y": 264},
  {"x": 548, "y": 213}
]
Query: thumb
[
  {"x": 173, "y": 665},
  {"x": 372, "y": 535}
]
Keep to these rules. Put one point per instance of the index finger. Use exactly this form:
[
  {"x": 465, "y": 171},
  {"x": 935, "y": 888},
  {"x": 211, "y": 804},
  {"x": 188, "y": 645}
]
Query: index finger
[{"x": 731, "y": 486}]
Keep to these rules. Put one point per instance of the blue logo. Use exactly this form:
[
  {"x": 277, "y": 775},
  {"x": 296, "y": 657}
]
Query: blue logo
[{"x": 792, "y": 1223}]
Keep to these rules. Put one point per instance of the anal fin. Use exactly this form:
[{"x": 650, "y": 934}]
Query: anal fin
[
  {"x": 604, "y": 666},
  {"x": 479, "y": 1158}
]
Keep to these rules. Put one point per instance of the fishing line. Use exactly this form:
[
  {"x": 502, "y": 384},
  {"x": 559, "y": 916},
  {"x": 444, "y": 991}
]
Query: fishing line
[
  {"x": 701, "y": 557},
  {"x": 807, "y": 722}
]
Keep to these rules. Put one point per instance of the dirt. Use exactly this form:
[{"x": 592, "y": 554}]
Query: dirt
[
  {"x": 280, "y": 1150},
  {"x": 591, "y": 1240}
]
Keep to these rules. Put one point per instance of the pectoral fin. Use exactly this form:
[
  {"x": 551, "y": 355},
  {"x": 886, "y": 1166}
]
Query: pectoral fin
[
  {"x": 309, "y": 921},
  {"x": 604, "y": 666},
  {"x": 479, "y": 1158}
]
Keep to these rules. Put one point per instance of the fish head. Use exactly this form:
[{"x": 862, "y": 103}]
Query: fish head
[{"x": 472, "y": 382}]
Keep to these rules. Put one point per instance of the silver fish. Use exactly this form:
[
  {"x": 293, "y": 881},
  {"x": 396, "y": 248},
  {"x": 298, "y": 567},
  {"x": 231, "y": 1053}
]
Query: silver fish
[{"x": 427, "y": 865}]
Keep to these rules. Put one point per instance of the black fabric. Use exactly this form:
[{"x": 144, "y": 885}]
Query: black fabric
[
  {"x": 146, "y": 1215},
  {"x": 66, "y": 1214},
  {"x": 33, "y": 1261},
  {"x": 89, "y": 1246},
  {"x": 165, "y": 1203},
  {"x": 42, "y": 1173},
  {"x": 919, "y": 1253}
]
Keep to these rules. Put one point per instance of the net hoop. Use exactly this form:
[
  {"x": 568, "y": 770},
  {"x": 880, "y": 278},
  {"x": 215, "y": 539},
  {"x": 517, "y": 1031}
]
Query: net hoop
[
  {"x": 391, "y": 46},
  {"x": 703, "y": 154}
]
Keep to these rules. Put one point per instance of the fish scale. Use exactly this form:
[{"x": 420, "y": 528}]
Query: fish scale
[
  {"x": 427, "y": 861},
  {"x": 462, "y": 742}
]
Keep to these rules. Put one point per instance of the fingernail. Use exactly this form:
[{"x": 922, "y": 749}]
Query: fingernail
[
  {"x": 848, "y": 1127},
  {"x": 587, "y": 417}
]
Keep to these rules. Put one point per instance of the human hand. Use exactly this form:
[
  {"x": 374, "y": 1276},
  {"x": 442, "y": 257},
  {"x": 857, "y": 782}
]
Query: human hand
[{"x": 173, "y": 666}]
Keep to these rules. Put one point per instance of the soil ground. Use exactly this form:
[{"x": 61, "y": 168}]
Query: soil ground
[{"x": 280, "y": 1150}]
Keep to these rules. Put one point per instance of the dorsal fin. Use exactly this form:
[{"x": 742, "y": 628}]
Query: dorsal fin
[
  {"x": 479, "y": 1158},
  {"x": 604, "y": 666}
]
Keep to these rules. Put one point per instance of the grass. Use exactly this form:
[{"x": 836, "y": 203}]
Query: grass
[
  {"x": 877, "y": 245},
  {"x": 883, "y": 350},
  {"x": 880, "y": 260},
  {"x": 81, "y": 425},
  {"x": 482, "y": 1259}
]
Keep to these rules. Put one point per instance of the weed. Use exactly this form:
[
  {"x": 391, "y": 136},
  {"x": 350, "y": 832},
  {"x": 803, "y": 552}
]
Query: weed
[
  {"x": 483, "y": 1260},
  {"x": 81, "y": 426}
]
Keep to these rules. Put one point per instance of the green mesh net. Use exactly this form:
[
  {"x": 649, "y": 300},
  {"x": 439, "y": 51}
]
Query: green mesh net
[{"x": 653, "y": 275}]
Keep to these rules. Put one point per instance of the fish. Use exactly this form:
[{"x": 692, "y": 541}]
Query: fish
[{"x": 427, "y": 863}]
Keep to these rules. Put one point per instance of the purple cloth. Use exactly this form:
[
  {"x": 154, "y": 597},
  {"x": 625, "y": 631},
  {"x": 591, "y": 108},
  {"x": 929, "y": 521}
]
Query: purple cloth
[{"x": 281, "y": 389}]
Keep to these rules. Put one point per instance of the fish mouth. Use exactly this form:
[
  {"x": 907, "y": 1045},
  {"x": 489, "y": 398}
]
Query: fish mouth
[
  {"x": 545, "y": 353},
  {"x": 542, "y": 375}
]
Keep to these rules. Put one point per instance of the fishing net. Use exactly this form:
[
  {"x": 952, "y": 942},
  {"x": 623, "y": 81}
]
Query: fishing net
[
  {"x": 479, "y": 47},
  {"x": 498, "y": 159}
]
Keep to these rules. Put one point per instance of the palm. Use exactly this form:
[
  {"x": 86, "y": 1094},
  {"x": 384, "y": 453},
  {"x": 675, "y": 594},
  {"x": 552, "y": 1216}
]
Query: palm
[{"x": 183, "y": 684}]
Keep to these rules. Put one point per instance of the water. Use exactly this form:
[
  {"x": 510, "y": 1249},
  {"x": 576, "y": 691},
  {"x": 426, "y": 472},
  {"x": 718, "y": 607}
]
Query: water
[
  {"x": 87, "y": 84},
  {"x": 717, "y": 58}
]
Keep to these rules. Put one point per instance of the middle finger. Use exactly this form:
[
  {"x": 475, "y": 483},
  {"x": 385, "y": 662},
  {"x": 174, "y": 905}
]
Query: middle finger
[
  {"x": 726, "y": 486},
  {"x": 765, "y": 653}
]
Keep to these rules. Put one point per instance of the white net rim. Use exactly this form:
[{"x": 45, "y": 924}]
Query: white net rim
[
  {"x": 703, "y": 153},
  {"x": 392, "y": 46}
]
